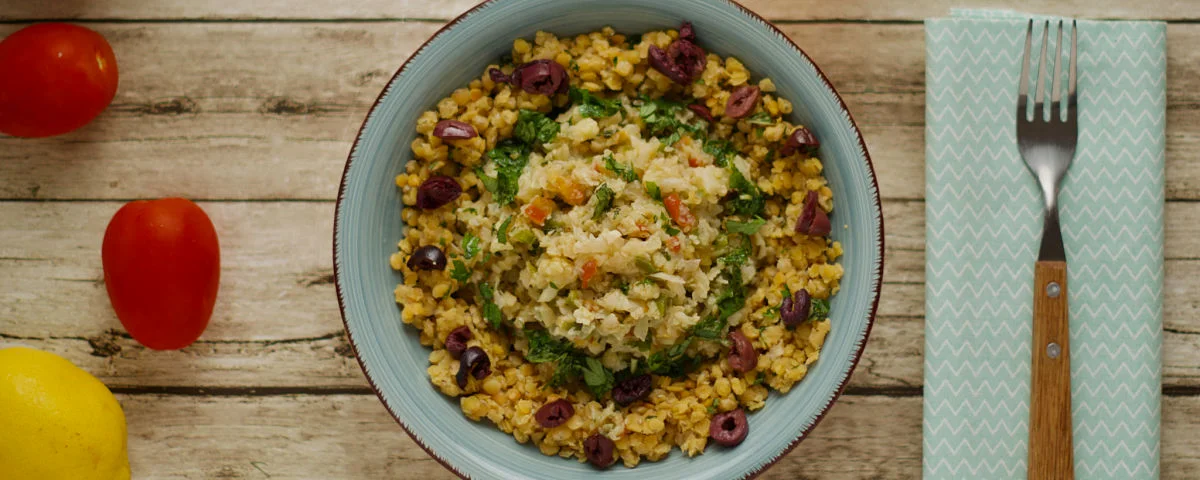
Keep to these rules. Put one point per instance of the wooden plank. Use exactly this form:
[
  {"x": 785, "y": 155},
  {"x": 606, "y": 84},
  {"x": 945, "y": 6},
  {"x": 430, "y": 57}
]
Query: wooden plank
[
  {"x": 11, "y": 10},
  {"x": 352, "y": 436},
  {"x": 211, "y": 99},
  {"x": 277, "y": 323}
]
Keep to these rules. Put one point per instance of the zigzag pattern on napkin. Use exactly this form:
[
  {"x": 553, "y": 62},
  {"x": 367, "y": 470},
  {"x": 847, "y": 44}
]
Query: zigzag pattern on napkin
[{"x": 983, "y": 226}]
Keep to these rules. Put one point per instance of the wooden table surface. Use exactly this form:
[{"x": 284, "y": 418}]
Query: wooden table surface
[{"x": 250, "y": 107}]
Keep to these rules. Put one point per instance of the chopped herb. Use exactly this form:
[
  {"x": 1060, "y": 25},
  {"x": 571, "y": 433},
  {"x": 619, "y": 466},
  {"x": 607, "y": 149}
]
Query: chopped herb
[
  {"x": 524, "y": 237},
  {"x": 760, "y": 118},
  {"x": 510, "y": 157},
  {"x": 554, "y": 285},
  {"x": 711, "y": 328},
  {"x": 592, "y": 106},
  {"x": 604, "y": 199},
  {"x": 645, "y": 264},
  {"x": 713, "y": 408},
  {"x": 645, "y": 345},
  {"x": 460, "y": 272},
  {"x": 653, "y": 190},
  {"x": 749, "y": 201},
  {"x": 491, "y": 311},
  {"x": 570, "y": 363},
  {"x": 533, "y": 128},
  {"x": 722, "y": 151},
  {"x": 673, "y": 361},
  {"x": 614, "y": 61},
  {"x": 625, "y": 172},
  {"x": 659, "y": 116},
  {"x": 623, "y": 286},
  {"x": 502, "y": 233},
  {"x": 748, "y": 228},
  {"x": 551, "y": 226},
  {"x": 471, "y": 210},
  {"x": 597, "y": 378},
  {"x": 760, "y": 379},
  {"x": 758, "y": 132},
  {"x": 470, "y": 246},
  {"x": 820, "y": 309},
  {"x": 574, "y": 66}
]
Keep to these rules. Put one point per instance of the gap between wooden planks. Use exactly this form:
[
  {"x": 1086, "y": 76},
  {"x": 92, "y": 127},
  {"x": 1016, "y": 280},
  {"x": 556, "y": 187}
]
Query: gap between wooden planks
[
  {"x": 268, "y": 111},
  {"x": 277, "y": 324},
  {"x": 218, "y": 10}
]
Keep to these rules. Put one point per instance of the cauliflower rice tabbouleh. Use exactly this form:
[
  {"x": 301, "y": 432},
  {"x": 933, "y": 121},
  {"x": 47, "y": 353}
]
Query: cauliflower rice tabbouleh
[{"x": 616, "y": 245}]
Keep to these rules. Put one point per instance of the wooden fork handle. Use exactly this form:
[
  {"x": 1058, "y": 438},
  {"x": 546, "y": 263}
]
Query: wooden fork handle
[{"x": 1051, "y": 452}]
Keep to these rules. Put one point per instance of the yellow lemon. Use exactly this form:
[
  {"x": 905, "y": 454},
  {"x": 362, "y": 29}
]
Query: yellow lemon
[{"x": 58, "y": 421}]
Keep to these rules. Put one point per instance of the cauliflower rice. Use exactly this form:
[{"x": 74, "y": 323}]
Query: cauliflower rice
[{"x": 616, "y": 277}]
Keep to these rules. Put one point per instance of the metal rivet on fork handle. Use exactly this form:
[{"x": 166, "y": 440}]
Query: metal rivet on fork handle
[
  {"x": 1052, "y": 289},
  {"x": 1053, "y": 350}
]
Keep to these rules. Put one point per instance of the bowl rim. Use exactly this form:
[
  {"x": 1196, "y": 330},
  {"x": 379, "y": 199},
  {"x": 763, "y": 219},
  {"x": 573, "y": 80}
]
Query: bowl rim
[{"x": 858, "y": 350}]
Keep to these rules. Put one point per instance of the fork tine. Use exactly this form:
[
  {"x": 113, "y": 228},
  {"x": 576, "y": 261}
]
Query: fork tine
[
  {"x": 1056, "y": 90},
  {"x": 1023, "y": 92},
  {"x": 1072, "y": 108},
  {"x": 1039, "y": 106}
]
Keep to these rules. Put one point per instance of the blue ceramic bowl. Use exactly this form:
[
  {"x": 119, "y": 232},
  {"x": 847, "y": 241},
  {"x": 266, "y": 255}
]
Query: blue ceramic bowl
[{"x": 367, "y": 227}]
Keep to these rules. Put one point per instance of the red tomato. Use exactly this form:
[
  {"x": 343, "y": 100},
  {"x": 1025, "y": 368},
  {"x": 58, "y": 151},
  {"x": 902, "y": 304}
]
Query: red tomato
[
  {"x": 56, "y": 78},
  {"x": 589, "y": 271},
  {"x": 162, "y": 266},
  {"x": 538, "y": 209},
  {"x": 679, "y": 212}
]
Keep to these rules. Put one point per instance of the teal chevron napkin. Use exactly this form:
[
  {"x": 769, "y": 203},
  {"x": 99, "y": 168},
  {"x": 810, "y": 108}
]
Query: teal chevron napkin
[{"x": 983, "y": 224}]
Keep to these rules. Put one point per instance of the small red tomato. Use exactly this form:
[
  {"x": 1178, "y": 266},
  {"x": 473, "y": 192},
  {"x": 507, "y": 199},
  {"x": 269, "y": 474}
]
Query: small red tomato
[
  {"x": 162, "y": 265},
  {"x": 56, "y": 78}
]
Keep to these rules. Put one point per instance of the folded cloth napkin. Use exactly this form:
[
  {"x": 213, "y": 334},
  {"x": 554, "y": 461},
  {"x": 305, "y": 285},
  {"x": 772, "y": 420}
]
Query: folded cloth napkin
[{"x": 983, "y": 225}]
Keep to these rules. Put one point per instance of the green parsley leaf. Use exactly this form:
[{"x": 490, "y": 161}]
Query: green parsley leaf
[
  {"x": 544, "y": 348},
  {"x": 460, "y": 272},
  {"x": 760, "y": 118},
  {"x": 750, "y": 201},
  {"x": 470, "y": 246},
  {"x": 713, "y": 408},
  {"x": 502, "y": 233},
  {"x": 748, "y": 228},
  {"x": 722, "y": 151},
  {"x": 625, "y": 172},
  {"x": 534, "y": 128},
  {"x": 820, "y": 309},
  {"x": 653, "y": 190},
  {"x": 550, "y": 226},
  {"x": 592, "y": 106},
  {"x": 510, "y": 157},
  {"x": 711, "y": 328},
  {"x": 597, "y": 378},
  {"x": 659, "y": 116},
  {"x": 673, "y": 362},
  {"x": 491, "y": 313},
  {"x": 604, "y": 199},
  {"x": 623, "y": 286}
]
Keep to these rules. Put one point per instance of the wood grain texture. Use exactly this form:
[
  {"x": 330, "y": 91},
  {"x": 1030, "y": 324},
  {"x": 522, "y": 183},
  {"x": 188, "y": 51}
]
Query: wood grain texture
[
  {"x": 276, "y": 321},
  {"x": 253, "y": 106},
  {"x": 446, "y": 9},
  {"x": 353, "y": 437},
  {"x": 1051, "y": 452},
  {"x": 215, "y": 99}
]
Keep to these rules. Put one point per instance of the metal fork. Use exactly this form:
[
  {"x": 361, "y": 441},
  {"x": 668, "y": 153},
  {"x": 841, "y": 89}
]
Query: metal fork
[{"x": 1048, "y": 147}]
